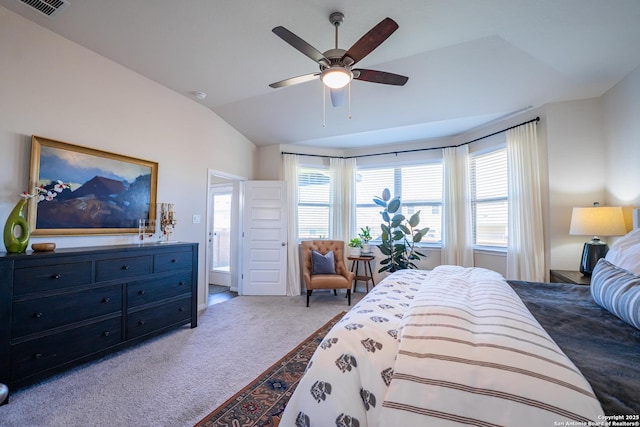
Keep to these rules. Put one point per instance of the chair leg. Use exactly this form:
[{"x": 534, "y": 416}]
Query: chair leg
[
  {"x": 349, "y": 296},
  {"x": 335, "y": 292},
  {"x": 308, "y": 295}
]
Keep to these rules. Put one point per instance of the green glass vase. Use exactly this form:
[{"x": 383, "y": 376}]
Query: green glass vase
[{"x": 17, "y": 244}]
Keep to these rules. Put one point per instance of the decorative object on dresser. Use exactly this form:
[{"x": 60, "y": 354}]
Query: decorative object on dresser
[
  {"x": 17, "y": 243},
  {"x": 44, "y": 247},
  {"x": 167, "y": 220},
  {"x": 70, "y": 306},
  {"x": 596, "y": 221},
  {"x": 110, "y": 201}
]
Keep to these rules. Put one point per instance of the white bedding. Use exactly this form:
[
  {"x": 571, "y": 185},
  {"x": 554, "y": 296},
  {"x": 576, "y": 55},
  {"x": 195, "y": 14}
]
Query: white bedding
[{"x": 452, "y": 346}]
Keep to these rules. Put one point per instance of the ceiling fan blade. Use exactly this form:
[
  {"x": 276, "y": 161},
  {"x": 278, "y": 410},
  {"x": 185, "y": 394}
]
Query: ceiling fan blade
[
  {"x": 371, "y": 40},
  {"x": 375, "y": 76},
  {"x": 294, "y": 80},
  {"x": 301, "y": 45},
  {"x": 338, "y": 96}
]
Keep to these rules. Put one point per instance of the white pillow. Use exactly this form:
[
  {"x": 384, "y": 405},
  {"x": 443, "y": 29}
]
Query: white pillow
[{"x": 625, "y": 252}]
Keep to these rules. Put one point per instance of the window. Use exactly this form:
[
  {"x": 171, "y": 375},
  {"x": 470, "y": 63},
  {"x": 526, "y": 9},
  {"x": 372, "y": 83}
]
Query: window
[
  {"x": 314, "y": 202},
  {"x": 489, "y": 198},
  {"x": 419, "y": 187}
]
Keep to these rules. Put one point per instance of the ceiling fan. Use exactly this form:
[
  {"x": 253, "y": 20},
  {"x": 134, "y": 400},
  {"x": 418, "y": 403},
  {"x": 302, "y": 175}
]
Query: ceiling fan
[{"x": 336, "y": 64}]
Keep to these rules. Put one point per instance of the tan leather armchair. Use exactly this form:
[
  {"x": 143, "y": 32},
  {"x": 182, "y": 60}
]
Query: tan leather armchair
[{"x": 342, "y": 279}]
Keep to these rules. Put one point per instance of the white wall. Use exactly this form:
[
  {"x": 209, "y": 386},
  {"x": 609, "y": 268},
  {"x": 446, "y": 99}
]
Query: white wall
[
  {"x": 621, "y": 105},
  {"x": 57, "y": 89},
  {"x": 577, "y": 171}
]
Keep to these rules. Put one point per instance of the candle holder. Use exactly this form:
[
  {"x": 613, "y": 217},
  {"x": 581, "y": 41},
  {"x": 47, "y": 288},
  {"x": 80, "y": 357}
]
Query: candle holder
[
  {"x": 167, "y": 221},
  {"x": 146, "y": 230}
]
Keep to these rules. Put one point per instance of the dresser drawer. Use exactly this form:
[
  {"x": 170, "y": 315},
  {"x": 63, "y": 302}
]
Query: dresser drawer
[
  {"x": 172, "y": 261},
  {"x": 123, "y": 268},
  {"x": 40, "y": 314},
  {"x": 32, "y": 357},
  {"x": 49, "y": 277},
  {"x": 143, "y": 322},
  {"x": 148, "y": 291}
]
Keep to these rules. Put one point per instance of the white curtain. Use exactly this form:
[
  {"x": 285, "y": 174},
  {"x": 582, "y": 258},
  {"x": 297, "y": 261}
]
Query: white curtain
[
  {"x": 343, "y": 194},
  {"x": 457, "y": 228},
  {"x": 290, "y": 166},
  {"x": 525, "y": 245}
]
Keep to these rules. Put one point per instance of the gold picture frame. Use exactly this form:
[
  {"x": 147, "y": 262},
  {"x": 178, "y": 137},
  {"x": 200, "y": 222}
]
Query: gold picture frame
[{"x": 107, "y": 194}]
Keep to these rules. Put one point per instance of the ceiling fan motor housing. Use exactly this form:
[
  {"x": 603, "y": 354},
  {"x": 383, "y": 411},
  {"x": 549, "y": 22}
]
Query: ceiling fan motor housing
[{"x": 336, "y": 18}]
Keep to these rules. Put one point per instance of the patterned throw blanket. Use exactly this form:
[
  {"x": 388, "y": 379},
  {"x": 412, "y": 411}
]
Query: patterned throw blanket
[{"x": 453, "y": 346}]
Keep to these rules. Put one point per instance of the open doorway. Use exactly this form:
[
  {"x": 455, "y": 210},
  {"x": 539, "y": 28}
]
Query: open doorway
[
  {"x": 223, "y": 236},
  {"x": 220, "y": 236}
]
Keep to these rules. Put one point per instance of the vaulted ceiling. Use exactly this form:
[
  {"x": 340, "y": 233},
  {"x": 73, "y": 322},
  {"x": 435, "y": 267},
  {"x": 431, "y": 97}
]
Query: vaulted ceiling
[{"x": 468, "y": 62}]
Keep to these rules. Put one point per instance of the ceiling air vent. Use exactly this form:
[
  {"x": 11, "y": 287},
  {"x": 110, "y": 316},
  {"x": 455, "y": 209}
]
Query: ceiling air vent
[{"x": 47, "y": 7}]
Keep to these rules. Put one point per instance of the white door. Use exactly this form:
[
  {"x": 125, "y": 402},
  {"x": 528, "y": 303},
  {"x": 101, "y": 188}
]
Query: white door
[{"x": 264, "y": 238}]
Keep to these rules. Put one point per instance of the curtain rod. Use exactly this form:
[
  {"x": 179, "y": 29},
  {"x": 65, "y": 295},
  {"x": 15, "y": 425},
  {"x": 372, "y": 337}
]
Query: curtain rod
[{"x": 537, "y": 119}]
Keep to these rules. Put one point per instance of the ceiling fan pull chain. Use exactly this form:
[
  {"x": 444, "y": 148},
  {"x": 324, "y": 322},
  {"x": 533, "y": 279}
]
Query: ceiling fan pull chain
[
  {"x": 349, "y": 100},
  {"x": 324, "y": 97}
]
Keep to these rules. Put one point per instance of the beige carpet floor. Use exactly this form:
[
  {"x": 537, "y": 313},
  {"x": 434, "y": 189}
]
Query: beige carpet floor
[{"x": 178, "y": 378}]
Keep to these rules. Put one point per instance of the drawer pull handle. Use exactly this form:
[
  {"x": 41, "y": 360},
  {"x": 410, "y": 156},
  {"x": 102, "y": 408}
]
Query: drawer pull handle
[
  {"x": 56, "y": 276},
  {"x": 181, "y": 284},
  {"x": 181, "y": 309},
  {"x": 141, "y": 323},
  {"x": 106, "y": 299},
  {"x": 38, "y": 356},
  {"x": 125, "y": 267},
  {"x": 37, "y": 315},
  {"x": 174, "y": 260},
  {"x": 141, "y": 292},
  {"x": 106, "y": 333}
]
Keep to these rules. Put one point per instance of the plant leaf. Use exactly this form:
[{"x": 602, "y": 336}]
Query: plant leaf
[
  {"x": 386, "y": 194},
  {"x": 415, "y": 219},
  {"x": 378, "y": 201},
  {"x": 394, "y": 205},
  {"x": 398, "y": 235}
]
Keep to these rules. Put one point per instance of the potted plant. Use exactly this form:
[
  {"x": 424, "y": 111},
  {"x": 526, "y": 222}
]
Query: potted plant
[
  {"x": 355, "y": 245},
  {"x": 365, "y": 236},
  {"x": 399, "y": 235}
]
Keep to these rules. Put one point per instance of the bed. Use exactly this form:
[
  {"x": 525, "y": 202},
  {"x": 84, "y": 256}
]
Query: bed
[{"x": 461, "y": 346}]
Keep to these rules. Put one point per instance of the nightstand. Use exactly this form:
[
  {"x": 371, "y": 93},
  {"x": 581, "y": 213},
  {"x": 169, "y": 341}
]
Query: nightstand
[{"x": 569, "y": 276}]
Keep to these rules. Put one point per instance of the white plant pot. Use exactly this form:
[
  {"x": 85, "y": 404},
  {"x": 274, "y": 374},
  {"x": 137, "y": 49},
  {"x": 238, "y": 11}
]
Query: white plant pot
[{"x": 354, "y": 251}]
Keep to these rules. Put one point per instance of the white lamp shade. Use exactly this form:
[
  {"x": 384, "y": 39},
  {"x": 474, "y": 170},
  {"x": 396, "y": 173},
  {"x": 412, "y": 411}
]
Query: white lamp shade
[
  {"x": 336, "y": 77},
  {"x": 597, "y": 221}
]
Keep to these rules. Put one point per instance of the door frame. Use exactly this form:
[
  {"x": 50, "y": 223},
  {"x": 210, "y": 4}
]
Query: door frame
[{"x": 215, "y": 177}]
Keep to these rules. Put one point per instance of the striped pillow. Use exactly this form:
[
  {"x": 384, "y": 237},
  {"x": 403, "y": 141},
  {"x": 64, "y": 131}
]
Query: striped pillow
[{"x": 617, "y": 290}]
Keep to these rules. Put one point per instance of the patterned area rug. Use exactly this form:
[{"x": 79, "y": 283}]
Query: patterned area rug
[{"x": 261, "y": 403}]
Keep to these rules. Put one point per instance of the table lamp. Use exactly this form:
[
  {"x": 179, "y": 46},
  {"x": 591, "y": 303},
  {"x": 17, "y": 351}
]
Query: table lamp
[{"x": 596, "y": 221}]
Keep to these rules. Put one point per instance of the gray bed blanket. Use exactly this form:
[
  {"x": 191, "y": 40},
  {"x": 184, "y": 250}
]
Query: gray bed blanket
[{"x": 603, "y": 347}]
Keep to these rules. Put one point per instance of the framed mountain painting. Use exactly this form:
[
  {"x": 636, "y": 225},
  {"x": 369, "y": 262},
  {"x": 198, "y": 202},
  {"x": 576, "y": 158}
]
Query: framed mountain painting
[{"x": 87, "y": 191}]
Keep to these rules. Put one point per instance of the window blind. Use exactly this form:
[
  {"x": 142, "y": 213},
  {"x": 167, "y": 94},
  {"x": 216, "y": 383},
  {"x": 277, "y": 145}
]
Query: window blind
[
  {"x": 314, "y": 202},
  {"x": 419, "y": 187},
  {"x": 489, "y": 192}
]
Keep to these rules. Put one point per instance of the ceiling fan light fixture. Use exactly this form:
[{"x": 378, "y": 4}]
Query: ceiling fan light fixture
[{"x": 336, "y": 77}]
